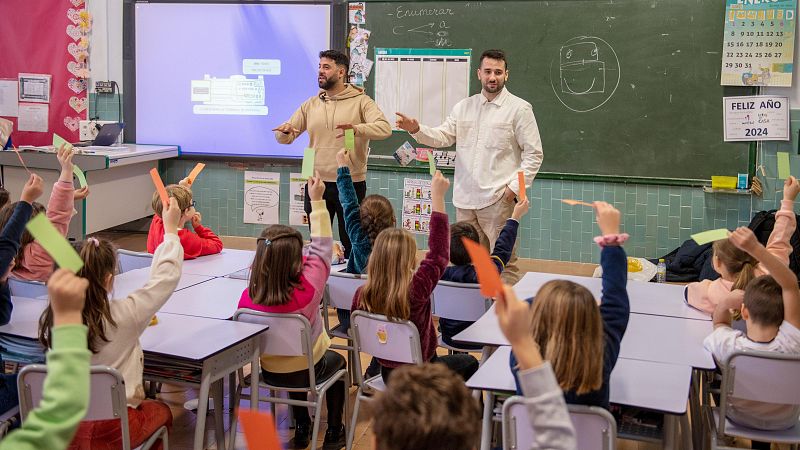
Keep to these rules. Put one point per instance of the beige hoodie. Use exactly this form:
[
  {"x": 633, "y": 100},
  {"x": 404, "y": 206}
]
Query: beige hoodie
[{"x": 319, "y": 115}]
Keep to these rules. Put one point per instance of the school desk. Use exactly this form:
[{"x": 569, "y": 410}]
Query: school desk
[
  {"x": 127, "y": 282},
  {"x": 645, "y": 298},
  {"x": 210, "y": 347},
  {"x": 648, "y": 337},
  {"x": 644, "y": 384},
  {"x": 119, "y": 182},
  {"x": 224, "y": 263},
  {"x": 217, "y": 298},
  {"x": 244, "y": 274}
]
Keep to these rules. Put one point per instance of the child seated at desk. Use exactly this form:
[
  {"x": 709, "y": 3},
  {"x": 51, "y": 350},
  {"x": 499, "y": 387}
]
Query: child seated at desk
[
  {"x": 282, "y": 281},
  {"x": 580, "y": 339},
  {"x": 200, "y": 243},
  {"x": 736, "y": 267},
  {"x": 771, "y": 309},
  {"x": 115, "y": 327},
  {"x": 462, "y": 270}
]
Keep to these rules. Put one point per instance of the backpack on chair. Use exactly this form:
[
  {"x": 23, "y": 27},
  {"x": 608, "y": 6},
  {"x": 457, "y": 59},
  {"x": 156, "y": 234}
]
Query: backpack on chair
[{"x": 763, "y": 223}]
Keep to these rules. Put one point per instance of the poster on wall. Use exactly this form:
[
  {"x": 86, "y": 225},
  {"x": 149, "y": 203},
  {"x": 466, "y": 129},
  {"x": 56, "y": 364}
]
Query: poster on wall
[
  {"x": 297, "y": 195},
  {"x": 758, "y": 44},
  {"x": 756, "y": 118},
  {"x": 262, "y": 197},
  {"x": 416, "y": 216}
]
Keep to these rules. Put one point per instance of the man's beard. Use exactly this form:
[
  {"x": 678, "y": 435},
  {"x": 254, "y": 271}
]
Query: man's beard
[{"x": 328, "y": 83}]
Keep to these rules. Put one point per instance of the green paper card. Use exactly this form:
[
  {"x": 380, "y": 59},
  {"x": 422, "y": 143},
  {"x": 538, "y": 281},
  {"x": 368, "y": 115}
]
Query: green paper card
[
  {"x": 54, "y": 243},
  {"x": 432, "y": 163},
  {"x": 79, "y": 175},
  {"x": 783, "y": 166},
  {"x": 58, "y": 140},
  {"x": 350, "y": 139},
  {"x": 308, "y": 163},
  {"x": 710, "y": 236}
]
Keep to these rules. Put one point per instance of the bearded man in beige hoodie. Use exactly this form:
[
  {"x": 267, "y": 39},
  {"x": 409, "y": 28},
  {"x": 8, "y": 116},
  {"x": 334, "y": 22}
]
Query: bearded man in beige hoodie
[{"x": 338, "y": 106}]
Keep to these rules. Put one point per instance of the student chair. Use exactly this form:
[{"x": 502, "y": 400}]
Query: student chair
[
  {"x": 381, "y": 337},
  {"x": 27, "y": 288},
  {"x": 458, "y": 301},
  {"x": 760, "y": 376},
  {"x": 129, "y": 260},
  {"x": 595, "y": 428},
  {"x": 288, "y": 335},
  {"x": 107, "y": 400},
  {"x": 339, "y": 294}
]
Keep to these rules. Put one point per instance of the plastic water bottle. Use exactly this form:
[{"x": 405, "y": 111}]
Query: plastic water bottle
[{"x": 661, "y": 271}]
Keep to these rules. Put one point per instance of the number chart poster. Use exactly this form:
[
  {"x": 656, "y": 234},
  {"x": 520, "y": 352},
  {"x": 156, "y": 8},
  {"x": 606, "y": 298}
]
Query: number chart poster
[{"x": 758, "y": 48}]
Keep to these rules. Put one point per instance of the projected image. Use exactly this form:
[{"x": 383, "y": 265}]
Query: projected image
[{"x": 217, "y": 78}]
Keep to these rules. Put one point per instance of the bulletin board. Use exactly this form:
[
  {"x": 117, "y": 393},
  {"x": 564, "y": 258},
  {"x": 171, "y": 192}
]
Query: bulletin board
[{"x": 50, "y": 38}]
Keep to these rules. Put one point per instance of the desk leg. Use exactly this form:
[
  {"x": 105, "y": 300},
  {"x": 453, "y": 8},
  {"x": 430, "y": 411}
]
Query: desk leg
[
  {"x": 219, "y": 408},
  {"x": 255, "y": 375},
  {"x": 670, "y": 431},
  {"x": 686, "y": 433},
  {"x": 695, "y": 406},
  {"x": 486, "y": 427},
  {"x": 202, "y": 411}
]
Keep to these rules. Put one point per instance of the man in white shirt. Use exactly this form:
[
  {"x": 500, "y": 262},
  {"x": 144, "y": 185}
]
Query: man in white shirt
[{"x": 496, "y": 136}]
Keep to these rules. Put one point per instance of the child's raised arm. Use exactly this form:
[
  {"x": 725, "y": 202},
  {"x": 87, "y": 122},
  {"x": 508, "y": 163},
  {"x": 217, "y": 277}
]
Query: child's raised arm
[{"x": 744, "y": 239}]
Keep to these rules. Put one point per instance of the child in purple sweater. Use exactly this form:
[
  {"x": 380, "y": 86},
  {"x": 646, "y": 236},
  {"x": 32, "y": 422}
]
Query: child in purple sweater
[
  {"x": 281, "y": 281},
  {"x": 394, "y": 289}
]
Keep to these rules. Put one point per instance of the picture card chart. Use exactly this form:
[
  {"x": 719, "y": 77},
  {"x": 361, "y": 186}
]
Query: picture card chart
[
  {"x": 758, "y": 47},
  {"x": 416, "y": 205},
  {"x": 423, "y": 83}
]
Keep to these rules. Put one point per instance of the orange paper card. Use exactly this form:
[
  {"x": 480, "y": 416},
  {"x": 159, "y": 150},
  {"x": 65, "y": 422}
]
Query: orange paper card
[
  {"x": 162, "y": 191},
  {"x": 522, "y": 194},
  {"x": 195, "y": 172},
  {"x": 577, "y": 202},
  {"x": 259, "y": 430},
  {"x": 491, "y": 286}
]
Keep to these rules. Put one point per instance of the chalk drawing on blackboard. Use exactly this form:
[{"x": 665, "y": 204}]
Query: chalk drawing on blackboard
[{"x": 585, "y": 74}]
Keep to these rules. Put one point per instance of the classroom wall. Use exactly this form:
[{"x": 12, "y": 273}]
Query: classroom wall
[{"x": 659, "y": 218}]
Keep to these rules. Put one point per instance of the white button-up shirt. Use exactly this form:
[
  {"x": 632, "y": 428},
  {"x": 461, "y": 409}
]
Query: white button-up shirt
[{"x": 494, "y": 140}]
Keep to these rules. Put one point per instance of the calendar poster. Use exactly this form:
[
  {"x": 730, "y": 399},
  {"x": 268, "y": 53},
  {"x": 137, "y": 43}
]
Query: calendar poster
[{"x": 758, "y": 47}]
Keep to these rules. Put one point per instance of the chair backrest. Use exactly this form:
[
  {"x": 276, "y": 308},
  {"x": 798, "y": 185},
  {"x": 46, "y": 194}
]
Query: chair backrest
[
  {"x": 381, "y": 337},
  {"x": 595, "y": 428},
  {"x": 27, "y": 289},
  {"x": 107, "y": 399},
  {"x": 459, "y": 301},
  {"x": 342, "y": 287},
  {"x": 761, "y": 376},
  {"x": 129, "y": 260}
]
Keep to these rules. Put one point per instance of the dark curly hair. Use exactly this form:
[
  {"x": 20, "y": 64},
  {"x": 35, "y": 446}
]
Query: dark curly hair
[
  {"x": 377, "y": 215},
  {"x": 458, "y": 253}
]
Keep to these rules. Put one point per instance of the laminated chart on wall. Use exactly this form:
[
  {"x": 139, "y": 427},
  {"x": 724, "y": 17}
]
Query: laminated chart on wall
[
  {"x": 297, "y": 195},
  {"x": 758, "y": 47},
  {"x": 424, "y": 83},
  {"x": 262, "y": 197},
  {"x": 416, "y": 216}
]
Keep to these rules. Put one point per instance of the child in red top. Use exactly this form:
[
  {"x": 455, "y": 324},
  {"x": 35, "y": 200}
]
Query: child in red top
[{"x": 200, "y": 243}]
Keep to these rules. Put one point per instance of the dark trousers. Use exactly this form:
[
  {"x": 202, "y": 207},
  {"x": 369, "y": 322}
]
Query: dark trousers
[
  {"x": 331, "y": 198},
  {"x": 324, "y": 369},
  {"x": 462, "y": 364}
]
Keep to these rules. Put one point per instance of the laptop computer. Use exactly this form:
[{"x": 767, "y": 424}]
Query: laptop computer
[{"x": 107, "y": 135}]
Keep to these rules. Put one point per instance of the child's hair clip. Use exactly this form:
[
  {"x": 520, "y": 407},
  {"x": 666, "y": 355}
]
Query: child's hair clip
[
  {"x": 94, "y": 241},
  {"x": 267, "y": 242}
]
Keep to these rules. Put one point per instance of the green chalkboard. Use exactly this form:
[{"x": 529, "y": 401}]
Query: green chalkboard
[{"x": 646, "y": 102}]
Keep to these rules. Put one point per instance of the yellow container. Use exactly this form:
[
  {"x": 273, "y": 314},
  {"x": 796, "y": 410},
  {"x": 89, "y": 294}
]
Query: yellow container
[{"x": 720, "y": 182}]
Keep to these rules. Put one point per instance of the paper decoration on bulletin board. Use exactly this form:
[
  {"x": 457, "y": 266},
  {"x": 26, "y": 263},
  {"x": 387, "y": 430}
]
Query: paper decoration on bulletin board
[{"x": 52, "y": 41}]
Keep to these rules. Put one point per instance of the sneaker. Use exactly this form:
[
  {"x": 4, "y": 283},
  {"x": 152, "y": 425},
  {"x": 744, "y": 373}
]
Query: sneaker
[
  {"x": 335, "y": 438},
  {"x": 302, "y": 436}
]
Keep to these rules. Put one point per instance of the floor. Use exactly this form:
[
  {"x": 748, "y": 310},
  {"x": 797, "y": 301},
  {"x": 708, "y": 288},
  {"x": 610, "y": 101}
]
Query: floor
[{"x": 184, "y": 421}]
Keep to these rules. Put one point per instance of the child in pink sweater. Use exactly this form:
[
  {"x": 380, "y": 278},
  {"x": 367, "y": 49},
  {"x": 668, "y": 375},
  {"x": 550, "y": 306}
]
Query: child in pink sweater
[{"x": 736, "y": 267}]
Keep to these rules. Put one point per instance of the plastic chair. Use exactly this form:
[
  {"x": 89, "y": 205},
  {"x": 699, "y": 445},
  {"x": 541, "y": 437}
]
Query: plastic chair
[
  {"x": 130, "y": 260},
  {"x": 381, "y": 337},
  {"x": 767, "y": 377},
  {"x": 288, "y": 335},
  {"x": 339, "y": 294},
  {"x": 27, "y": 288},
  {"x": 458, "y": 301},
  {"x": 595, "y": 428},
  {"x": 107, "y": 400}
]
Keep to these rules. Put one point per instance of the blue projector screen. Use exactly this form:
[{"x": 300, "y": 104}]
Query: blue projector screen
[{"x": 217, "y": 78}]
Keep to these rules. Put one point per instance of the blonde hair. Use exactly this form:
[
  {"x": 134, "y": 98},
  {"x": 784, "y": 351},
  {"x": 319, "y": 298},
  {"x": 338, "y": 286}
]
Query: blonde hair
[
  {"x": 390, "y": 268},
  {"x": 181, "y": 194},
  {"x": 737, "y": 262},
  {"x": 566, "y": 323}
]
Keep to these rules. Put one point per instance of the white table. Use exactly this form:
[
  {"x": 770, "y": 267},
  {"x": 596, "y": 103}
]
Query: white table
[
  {"x": 218, "y": 348},
  {"x": 644, "y": 384},
  {"x": 127, "y": 282},
  {"x": 119, "y": 180},
  {"x": 645, "y": 298},
  {"x": 217, "y": 298},
  {"x": 244, "y": 274},
  {"x": 648, "y": 338},
  {"x": 219, "y": 265}
]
